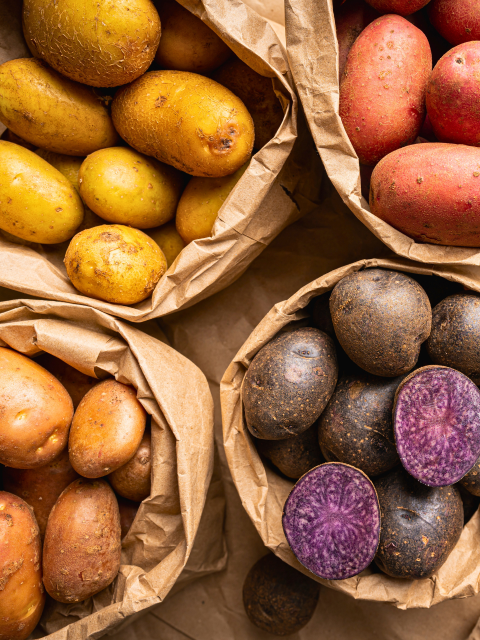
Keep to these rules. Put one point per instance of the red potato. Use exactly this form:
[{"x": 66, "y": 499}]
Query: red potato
[
  {"x": 457, "y": 21},
  {"x": 452, "y": 95},
  {"x": 382, "y": 93},
  {"x": 350, "y": 20},
  {"x": 402, "y": 7},
  {"x": 430, "y": 192}
]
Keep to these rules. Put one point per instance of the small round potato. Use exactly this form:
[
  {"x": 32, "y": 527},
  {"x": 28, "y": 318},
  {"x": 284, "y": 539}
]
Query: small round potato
[
  {"x": 114, "y": 263},
  {"x": 187, "y": 43},
  {"x": 81, "y": 552},
  {"x": 124, "y": 186},
  {"x": 36, "y": 412},
  {"x": 200, "y": 203},
  {"x": 107, "y": 429},
  {"x": 22, "y": 596},
  {"x": 133, "y": 480},
  {"x": 169, "y": 241}
]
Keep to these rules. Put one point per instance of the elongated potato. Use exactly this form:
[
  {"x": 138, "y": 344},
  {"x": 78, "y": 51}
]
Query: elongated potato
[
  {"x": 37, "y": 203},
  {"x": 36, "y": 412},
  {"x": 52, "y": 112},
  {"x": 107, "y": 429},
  {"x": 430, "y": 192},
  {"x": 22, "y": 596},
  {"x": 186, "y": 120},
  {"x": 133, "y": 480},
  {"x": 81, "y": 552},
  {"x": 102, "y": 44},
  {"x": 382, "y": 92}
]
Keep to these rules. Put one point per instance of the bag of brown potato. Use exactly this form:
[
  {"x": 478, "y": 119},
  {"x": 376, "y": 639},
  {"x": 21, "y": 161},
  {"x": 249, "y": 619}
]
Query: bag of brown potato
[
  {"x": 265, "y": 473},
  {"x": 171, "y": 527}
]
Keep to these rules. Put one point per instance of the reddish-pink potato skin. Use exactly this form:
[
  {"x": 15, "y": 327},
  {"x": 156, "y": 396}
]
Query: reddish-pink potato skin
[
  {"x": 452, "y": 95},
  {"x": 430, "y": 192},
  {"x": 456, "y": 20},
  {"x": 401, "y": 7},
  {"x": 350, "y": 20},
  {"x": 382, "y": 92}
]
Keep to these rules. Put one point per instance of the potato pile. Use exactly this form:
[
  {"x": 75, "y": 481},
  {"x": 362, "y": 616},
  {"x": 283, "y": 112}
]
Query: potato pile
[
  {"x": 374, "y": 412},
  {"x": 118, "y": 143},
  {"x": 72, "y": 483},
  {"x": 416, "y": 128}
]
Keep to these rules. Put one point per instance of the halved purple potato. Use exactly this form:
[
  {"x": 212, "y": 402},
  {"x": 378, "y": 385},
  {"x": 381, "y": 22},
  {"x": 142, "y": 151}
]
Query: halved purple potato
[
  {"x": 289, "y": 383},
  {"x": 381, "y": 318},
  {"x": 277, "y": 598},
  {"x": 331, "y": 520},
  {"x": 437, "y": 425},
  {"x": 356, "y": 426},
  {"x": 420, "y": 525},
  {"x": 471, "y": 480}
]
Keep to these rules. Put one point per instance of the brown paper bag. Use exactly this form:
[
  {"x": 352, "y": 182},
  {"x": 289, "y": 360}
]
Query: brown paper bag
[
  {"x": 263, "y": 492},
  {"x": 176, "y": 395},
  {"x": 266, "y": 199},
  {"x": 313, "y": 55}
]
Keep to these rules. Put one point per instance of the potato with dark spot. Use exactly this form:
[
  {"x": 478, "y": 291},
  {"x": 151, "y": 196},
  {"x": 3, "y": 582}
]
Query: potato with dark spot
[
  {"x": 22, "y": 596},
  {"x": 133, "y": 481},
  {"x": 41, "y": 487},
  {"x": 277, "y": 598},
  {"x": 471, "y": 480},
  {"x": 295, "y": 456},
  {"x": 75, "y": 382},
  {"x": 107, "y": 429},
  {"x": 357, "y": 425},
  {"x": 420, "y": 525},
  {"x": 81, "y": 552},
  {"x": 35, "y": 413},
  {"x": 128, "y": 511},
  {"x": 381, "y": 318},
  {"x": 289, "y": 383}
]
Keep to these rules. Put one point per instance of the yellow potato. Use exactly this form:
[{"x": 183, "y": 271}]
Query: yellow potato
[
  {"x": 52, "y": 112},
  {"x": 103, "y": 44},
  {"x": 187, "y": 44},
  {"x": 37, "y": 202},
  {"x": 200, "y": 203},
  {"x": 169, "y": 240},
  {"x": 124, "y": 186},
  {"x": 114, "y": 263},
  {"x": 185, "y": 120}
]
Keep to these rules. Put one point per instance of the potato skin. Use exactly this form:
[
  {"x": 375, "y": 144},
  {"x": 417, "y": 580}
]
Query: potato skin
[
  {"x": 430, "y": 192},
  {"x": 81, "y": 552},
  {"x": 32, "y": 398},
  {"x": 185, "y": 120},
  {"x": 125, "y": 187},
  {"x": 75, "y": 382},
  {"x": 381, "y": 318},
  {"x": 351, "y": 18},
  {"x": 400, "y": 7},
  {"x": 133, "y": 480},
  {"x": 11, "y": 137},
  {"x": 99, "y": 44},
  {"x": 187, "y": 43},
  {"x": 41, "y": 487},
  {"x": 107, "y": 429},
  {"x": 22, "y": 596},
  {"x": 257, "y": 94},
  {"x": 169, "y": 241},
  {"x": 72, "y": 119},
  {"x": 200, "y": 203},
  {"x": 114, "y": 263},
  {"x": 128, "y": 511},
  {"x": 471, "y": 480},
  {"x": 37, "y": 203},
  {"x": 288, "y": 383},
  {"x": 69, "y": 166},
  {"x": 382, "y": 92},
  {"x": 456, "y": 20}
]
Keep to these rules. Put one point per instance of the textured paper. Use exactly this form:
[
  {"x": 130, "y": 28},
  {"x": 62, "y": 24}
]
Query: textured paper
[{"x": 160, "y": 543}]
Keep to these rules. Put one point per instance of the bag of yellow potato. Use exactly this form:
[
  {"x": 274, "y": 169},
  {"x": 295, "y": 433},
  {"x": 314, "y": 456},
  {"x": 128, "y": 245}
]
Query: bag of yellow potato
[{"x": 173, "y": 536}]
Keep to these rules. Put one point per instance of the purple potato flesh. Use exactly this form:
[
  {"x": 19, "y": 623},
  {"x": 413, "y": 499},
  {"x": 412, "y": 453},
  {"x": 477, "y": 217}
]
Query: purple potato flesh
[
  {"x": 437, "y": 425},
  {"x": 331, "y": 520}
]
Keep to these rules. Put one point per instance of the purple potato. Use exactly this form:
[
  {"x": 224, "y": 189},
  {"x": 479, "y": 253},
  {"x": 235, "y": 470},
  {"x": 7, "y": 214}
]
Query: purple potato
[
  {"x": 289, "y": 383},
  {"x": 356, "y": 426},
  {"x": 277, "y": 598},
  {"x": 420, "y": 525},
  {"x": 381, "y": 318},
  {"x": 471, "y": 480},
  {"x": 331, "y": 520},
  {"x": 437, "y": 425}
]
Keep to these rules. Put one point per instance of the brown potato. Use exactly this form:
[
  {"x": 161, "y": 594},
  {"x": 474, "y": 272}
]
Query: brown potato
[
  {"x": 107, "y": 429},
  {"x": 128, "y": 511},
  {"x": 21, "y": 590},
  {"x": 75, "y": 382},
  {"x": 133, "y": 480},
  {"x": 41, "y": 487},
  {"x": 81, "y": 553},
  {"x": 36, "y": 412}
]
